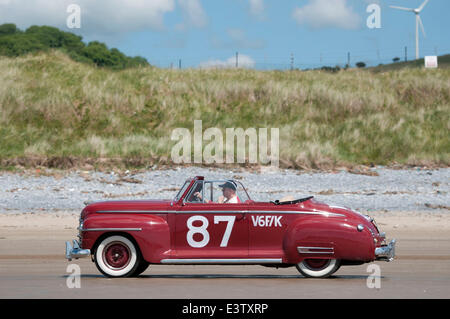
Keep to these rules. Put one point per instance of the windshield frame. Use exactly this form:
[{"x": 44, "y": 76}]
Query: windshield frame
[
  {"x": 182, "y": 190},
  {"x": 192, "y": 189}
]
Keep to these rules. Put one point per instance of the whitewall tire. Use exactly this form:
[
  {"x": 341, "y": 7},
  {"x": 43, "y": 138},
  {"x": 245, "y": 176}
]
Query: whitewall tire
[
  {"x": 318, "y": 268},
  {"x": 117, "y": 256}
]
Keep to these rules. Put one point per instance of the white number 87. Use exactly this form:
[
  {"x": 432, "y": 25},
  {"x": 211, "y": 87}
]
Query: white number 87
[{"x": 203, "y": 230}]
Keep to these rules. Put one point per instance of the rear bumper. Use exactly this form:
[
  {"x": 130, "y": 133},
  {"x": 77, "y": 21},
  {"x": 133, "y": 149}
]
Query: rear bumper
[
  {"x": 75, "y": 252},
  {"x": 386, "y": 252}
]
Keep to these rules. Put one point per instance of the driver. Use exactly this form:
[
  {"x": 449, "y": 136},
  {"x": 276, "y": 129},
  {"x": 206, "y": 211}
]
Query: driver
[{"x": 229, "y": 193}]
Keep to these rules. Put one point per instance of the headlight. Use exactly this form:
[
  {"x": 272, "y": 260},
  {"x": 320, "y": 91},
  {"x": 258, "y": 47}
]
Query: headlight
[
  {"x": 80, "y": 223},
  {"x": 80, "y": 228}
]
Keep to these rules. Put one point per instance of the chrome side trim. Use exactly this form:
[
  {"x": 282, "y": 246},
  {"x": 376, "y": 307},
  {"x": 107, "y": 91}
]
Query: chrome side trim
[
  {"x": 340, "y": 207},
  {"x": 223, "y": 261},
  {"x": 110, "y": 229},
  {"x": 219, "y": 212},
  {"x": 135, "y": 211},
  {"x": 313, "y": 250}
]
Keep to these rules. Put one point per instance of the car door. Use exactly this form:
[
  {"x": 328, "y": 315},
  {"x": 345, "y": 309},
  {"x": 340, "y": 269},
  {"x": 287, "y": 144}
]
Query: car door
[
  {"x": 211, "y": 230},
  {"x": 267, "y": 229}
]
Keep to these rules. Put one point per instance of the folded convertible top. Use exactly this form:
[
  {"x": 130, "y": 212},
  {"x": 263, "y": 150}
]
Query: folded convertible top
[{"x": 277, "y": 202}]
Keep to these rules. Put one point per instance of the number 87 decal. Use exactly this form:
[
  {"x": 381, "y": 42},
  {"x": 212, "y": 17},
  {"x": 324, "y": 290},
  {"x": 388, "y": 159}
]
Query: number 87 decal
[{"x": 204, "y": 232}]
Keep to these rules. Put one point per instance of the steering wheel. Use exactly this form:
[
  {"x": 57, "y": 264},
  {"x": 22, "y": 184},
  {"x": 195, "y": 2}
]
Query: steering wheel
[{"x": 195, "y": 199}]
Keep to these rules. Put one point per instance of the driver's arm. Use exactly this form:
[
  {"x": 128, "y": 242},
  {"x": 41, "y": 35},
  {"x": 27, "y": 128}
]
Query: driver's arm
[{"x": 199, "y": 196}]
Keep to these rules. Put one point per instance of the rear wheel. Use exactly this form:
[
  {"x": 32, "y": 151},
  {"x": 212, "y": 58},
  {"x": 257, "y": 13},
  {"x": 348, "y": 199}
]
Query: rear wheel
[
  {"x": 117, "y": 256},
  {"x": 318, "y": 268}
]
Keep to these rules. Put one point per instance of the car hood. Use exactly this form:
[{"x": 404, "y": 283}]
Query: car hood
[{"x": 127, "y": 205}]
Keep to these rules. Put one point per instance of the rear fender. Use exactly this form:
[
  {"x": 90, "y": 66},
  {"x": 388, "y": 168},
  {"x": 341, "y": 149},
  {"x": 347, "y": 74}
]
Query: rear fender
[{"x": 327, "y": 237}]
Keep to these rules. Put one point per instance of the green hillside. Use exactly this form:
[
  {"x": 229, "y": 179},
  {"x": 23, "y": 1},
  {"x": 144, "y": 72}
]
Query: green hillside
[
  {"x": 58, "y": 112},
  {"x": 443, "y": 61},
  {"x": 15, "y": 42}
]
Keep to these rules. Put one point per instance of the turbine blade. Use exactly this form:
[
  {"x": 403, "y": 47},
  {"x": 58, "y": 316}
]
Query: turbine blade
[
  {"x": 423, "y": 5},
  {"x": 402, "y": 8},
  {"x": 421, "y": 26}
]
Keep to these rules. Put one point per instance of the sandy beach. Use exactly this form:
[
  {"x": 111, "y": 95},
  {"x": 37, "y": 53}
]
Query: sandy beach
[{"x": 32, "y": 265}]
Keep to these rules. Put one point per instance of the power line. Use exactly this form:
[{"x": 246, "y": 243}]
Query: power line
[{"x": 329, "y": 58}]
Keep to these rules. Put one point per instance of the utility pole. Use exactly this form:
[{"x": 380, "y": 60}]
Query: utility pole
[
  {"x": 406, "y": 54},
  {"x": 292, "y": 61},
  {"x": 348, "y": 60},
  {"x": 237, "y": 59},
  {"x": 179, "y": 64}
]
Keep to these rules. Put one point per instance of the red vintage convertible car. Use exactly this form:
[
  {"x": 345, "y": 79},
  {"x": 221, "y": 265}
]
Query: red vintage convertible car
[{"x": 216, "y": 222}]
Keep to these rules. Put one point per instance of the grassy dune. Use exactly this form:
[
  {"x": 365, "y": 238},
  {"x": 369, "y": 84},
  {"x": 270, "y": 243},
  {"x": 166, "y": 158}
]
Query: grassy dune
[
  {"x": 443, "y": 61},
  {"x": 56, "y": 112}
]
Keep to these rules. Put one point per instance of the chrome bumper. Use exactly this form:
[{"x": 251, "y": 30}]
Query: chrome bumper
[
  {"x": 387, "y": 252},
  {"x": 76, "y": 252}
]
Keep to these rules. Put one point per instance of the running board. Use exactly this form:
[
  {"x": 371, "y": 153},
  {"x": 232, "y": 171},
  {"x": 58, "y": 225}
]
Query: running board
[{"x": 254, "y": 261}]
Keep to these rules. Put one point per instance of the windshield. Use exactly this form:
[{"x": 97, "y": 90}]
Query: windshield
[{"x": 182, "y": 190}]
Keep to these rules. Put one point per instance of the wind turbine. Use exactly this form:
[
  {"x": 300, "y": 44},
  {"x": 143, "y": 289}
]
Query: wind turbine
[{"x": 418, "y": 22}]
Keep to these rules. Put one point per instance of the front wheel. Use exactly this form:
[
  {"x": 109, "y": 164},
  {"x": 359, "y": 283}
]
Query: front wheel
[
  {"x": 142, "y": 267},
  {"x": 117, "y": 256},
  {"x": 318, "y": 268}
]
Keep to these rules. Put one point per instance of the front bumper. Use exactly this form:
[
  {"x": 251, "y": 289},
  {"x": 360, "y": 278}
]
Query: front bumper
[
  {"x": 76, "y": 252},
  {"x": 386, "y": 252}
]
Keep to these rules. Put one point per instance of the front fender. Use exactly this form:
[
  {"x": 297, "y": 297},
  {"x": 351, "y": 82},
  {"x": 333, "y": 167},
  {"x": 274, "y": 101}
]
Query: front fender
[
  {"x": 332, "y": 237},
  {"x": 151, "y": 232}
]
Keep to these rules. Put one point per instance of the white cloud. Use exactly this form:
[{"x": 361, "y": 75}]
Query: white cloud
[
  {"x": 319, "y": 14},
  {"x": 257, "y": 8},
  {"x": 193, "y": 13},
  {"x": 244, "y": 61},
  {"x": 99, "y": 16}
]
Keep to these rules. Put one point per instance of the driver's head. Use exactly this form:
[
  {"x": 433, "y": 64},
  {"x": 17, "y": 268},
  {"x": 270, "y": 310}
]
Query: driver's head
[{"x": 229, "y": 188}]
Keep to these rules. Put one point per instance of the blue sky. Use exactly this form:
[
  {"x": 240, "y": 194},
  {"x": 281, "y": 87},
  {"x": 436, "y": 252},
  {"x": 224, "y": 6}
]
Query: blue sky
[{"x": 266, "y": 33}]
